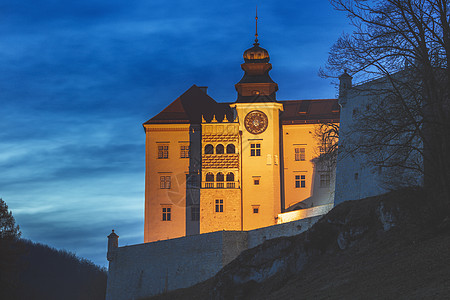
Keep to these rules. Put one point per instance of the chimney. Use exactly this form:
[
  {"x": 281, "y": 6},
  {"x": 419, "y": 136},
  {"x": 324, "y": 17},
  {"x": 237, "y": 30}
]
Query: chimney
[
  {"x": 113, "y": 244},
  {"x": 204, "y": 89}
]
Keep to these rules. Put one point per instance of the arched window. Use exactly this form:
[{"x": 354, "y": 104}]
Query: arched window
[
  {"x": 230, "y": 176},
  {"x": 209, "y": 177},
  {"x": 209, "y": 149},
  {"x": 220, "y": 149},
  {"x": 231, "y": 149},
  {"x": 219, "y": 176}
]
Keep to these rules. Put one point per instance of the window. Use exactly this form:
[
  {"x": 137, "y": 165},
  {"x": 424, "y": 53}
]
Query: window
[
  {"x": 219, "y": 205},
  {"x": 220, "y": 178},
  {"x": 300, "y": 181},
  {"x": 324, "y": 180},
  {"x": 230, "y": 176},
  {"x": 255, "y": 209},
  {"x": 300, "y": 154},
  {"x": 195, "y": 213},
  {"x": 184, "y": 151},
  {"x": 325, "y": 147},
  {"x": 209, "y": 176},
  {"x": 163, "y": 151},
  {"x": 209, "y": 184},
  {"x": 255, "y": 149},
  {"x": 167, "y": 213},
  {"x": 256, "y": 181},
  {"x": 220, "y": 149},
  {"x": 164, "y": 182},
  {"x": 209, "y": 149},
  {"x": 231, "y": 149}
]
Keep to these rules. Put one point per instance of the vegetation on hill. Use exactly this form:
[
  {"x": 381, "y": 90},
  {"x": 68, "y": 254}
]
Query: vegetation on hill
[
  {"x": 34, "y": 271},
  {"x": 390, "y": 246}
]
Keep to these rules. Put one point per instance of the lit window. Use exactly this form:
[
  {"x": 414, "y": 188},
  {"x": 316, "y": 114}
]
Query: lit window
[
  {"x": 324, "y": 180},
  {"x": 164, "y": 182},
  {"x": 166, "y": 213},
  {"x": 219, "y": 205},
  {"x": 195, "y": 213},
  {"x": 184, "y": 151},
  {"x": 255, "y": 149},
  {"x": 255, "y": 209},
  {"x": 300, "y": 181},
  {"x": 163, "y": 151},
  {"x": 300, "y": 154}
]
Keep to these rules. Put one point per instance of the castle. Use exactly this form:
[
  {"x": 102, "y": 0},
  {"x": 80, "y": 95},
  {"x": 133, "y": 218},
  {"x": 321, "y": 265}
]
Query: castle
[
  {"x": 222, "y": 178},
  {"x": 234, "y": 166}
]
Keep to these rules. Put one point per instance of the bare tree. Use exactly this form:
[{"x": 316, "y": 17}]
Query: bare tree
[{"x": 403, "y": 47}]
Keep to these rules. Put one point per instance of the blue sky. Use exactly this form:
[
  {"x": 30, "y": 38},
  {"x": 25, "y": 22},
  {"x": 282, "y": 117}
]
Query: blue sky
[{"x": 78, "y": 79}]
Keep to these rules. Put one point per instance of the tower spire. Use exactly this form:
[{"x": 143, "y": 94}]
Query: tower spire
[{"x": 256, "y": 31}]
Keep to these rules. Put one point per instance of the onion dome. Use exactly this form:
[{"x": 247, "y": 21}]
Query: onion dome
[{"x": 256, "y": 54}]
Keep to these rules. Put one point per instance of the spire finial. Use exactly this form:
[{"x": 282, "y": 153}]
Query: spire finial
[{"x": 256, "y": 31}]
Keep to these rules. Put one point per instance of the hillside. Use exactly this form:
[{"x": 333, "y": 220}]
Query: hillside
[
  {"x": 34, "y": 271},
  {"x": 392, "y": 246}
]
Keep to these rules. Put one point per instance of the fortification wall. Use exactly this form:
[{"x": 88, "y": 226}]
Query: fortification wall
[
  {"x": 148, "y": 269},
  {"x": 258, "y": 236},
  {"x": 152, "y": 268}
]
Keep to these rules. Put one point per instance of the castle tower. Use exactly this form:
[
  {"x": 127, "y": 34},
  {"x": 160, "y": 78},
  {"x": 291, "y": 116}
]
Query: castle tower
[{"x": 259, "y": 127}]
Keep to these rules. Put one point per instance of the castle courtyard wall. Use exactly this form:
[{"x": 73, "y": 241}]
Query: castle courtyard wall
[{"x": 152, "y": 268}]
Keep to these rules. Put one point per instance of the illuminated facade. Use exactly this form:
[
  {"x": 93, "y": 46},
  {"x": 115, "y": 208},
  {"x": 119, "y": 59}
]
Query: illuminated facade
[{"x": 234, "y": 166}]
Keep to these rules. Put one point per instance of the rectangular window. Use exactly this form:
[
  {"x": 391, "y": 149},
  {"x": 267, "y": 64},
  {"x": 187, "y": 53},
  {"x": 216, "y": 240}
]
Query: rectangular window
[
  {"x": 184, "y": 151},
  {"x": 325, "y": 147},
  {"x": 324, "y": 180},
  {"x": 300, "y": 181},
  {"x": 163, "y": 151},
  {"x": 219, "y": 205},
  {"x": 256, "y": 181},
  {"x": 166, "y": 213},
  {"x": 195, "y": 213},
  {"x": 300, "y": 154},
  {"x": 164, "y": 182},
  {"x": 255, "y": 209},
  {"x": 255, "y": 149}
]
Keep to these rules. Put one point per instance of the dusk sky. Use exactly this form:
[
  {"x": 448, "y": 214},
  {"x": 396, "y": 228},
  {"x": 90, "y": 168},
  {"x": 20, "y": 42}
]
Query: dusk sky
[{"x": 78, "y": 79}]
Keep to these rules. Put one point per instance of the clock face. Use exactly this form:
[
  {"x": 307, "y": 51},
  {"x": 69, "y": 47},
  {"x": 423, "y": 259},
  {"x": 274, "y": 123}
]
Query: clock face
[{"x": 256, "y": 122}]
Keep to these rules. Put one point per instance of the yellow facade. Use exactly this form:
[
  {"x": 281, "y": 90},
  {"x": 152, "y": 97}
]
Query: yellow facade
[
  {"x": 234, "y": 166},
  {"x": 172, "y": 192}
]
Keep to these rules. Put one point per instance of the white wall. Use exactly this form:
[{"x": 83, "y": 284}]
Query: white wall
[{"x": 148, "y": 269}]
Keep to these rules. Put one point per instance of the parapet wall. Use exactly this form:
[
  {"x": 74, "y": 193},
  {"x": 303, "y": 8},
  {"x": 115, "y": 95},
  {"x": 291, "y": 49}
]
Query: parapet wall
[
  {"x": 258, "y": 236},
  {"x": 149, "y": 269},
  {"x": 304, "y": 213}
]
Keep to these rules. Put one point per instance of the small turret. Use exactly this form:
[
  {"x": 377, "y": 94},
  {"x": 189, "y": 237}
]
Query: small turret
[
  {"x": 345, "y": 83},
  {"x": 113, "y": 244}
]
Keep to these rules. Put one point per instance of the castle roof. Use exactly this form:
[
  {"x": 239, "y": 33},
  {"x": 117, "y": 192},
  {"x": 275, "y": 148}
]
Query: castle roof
[
  {"x": 192, "y": 104},
  {"x": 189, "y": 108},
  {"x": 310, "y": 111}
]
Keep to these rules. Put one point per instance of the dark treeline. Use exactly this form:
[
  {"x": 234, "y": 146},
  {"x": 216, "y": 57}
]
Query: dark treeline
[{"x": 34, "y": 271}]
